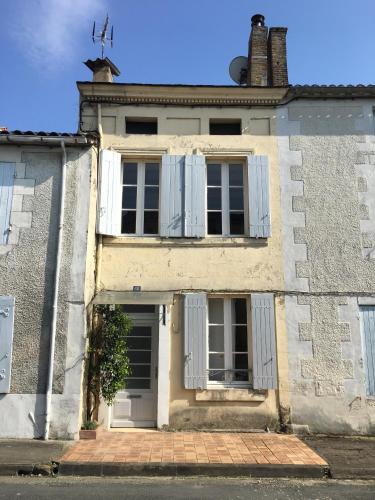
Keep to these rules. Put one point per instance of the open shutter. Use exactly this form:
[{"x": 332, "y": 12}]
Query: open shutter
[
  {"x": 264, "y": 344},
  {"x": 195, "y": 196},
  {"x": 6, "y": 341},
  {"x": 109, "y": 216},
  {"x": 195, "y": 341},
  {"x": 7, "y": 174},
  {"x": 172, "y": 196},
  {"x": 259, "y": 203}
]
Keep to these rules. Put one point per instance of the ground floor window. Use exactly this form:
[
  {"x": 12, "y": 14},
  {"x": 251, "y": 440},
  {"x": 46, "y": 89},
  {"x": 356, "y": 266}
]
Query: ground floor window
[{"x": 228, "y": 341}]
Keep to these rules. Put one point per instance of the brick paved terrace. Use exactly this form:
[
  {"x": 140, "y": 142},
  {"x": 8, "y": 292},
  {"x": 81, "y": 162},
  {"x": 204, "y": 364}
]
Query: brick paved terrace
[{"x": 193, "y": 448}]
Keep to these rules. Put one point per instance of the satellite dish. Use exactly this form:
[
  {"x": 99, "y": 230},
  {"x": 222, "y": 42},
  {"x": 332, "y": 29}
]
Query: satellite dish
[{"x": 238, "y": 70}]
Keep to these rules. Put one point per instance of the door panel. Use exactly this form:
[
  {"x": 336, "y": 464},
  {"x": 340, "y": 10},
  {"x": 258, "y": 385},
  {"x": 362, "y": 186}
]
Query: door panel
[{"x": 135, "y": 406}]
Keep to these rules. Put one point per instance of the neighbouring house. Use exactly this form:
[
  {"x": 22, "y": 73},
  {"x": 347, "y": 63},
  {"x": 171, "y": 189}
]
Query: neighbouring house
[{"x": 47, "y": 251}]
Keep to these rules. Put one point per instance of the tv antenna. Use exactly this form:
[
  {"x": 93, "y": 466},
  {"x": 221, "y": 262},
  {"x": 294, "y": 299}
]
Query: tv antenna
[{"x": 102, "y": 36}]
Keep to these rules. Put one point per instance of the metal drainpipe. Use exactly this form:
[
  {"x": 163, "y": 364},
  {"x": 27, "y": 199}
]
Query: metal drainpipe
[{"x": 55, "y": 294}]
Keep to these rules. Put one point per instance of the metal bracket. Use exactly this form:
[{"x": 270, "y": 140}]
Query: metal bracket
[{"x": 5, "y": 312}]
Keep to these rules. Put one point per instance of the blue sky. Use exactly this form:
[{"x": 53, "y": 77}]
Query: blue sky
[{"x": 167, "y": 41}]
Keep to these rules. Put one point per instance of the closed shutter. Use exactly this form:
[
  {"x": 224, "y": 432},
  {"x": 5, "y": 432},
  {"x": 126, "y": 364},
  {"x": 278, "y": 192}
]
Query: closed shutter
[
  {"x": 195, "y": 341},
  {"x": 195, "y": 196},
  {"x": 110, "y": 182},
  {"x": 264, "y": 344},
  {"x": 368, "y": 325},
  {"x": 172, "y": 196},
  {"x": 259, "y": 203},
  {"x": 6, "y": 341},
  {"x": 7, "y": 174}
]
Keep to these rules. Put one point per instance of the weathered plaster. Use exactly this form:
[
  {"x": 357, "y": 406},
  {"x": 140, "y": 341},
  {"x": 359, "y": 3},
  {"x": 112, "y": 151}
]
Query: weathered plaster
[{"x": 335, "y": 141}]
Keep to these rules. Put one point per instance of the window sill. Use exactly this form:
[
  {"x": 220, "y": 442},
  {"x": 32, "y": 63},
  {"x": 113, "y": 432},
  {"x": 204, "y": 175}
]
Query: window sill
[
  {"x": 224, "y": 395},
  {"x": 157, "y": 241}
]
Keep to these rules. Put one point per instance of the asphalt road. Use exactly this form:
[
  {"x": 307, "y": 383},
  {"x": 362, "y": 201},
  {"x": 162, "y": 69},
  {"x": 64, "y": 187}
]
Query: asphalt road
[{"x": 183, "y": 488}]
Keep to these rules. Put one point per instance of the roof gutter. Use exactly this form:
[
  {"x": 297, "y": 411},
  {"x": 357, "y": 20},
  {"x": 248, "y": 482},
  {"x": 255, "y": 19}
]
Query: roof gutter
[{"x": 16, "y": 139}]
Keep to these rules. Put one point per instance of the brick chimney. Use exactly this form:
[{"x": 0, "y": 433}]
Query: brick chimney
[
  {"x": 267, "y": 63},
  {"x": 103, "y": 70},
  {"x": 257, "y": 59},
  {"x": 277, "y": 60}
]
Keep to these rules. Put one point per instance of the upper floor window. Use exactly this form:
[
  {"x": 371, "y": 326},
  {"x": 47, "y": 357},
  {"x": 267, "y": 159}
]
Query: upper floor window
[
  {"x": 140, "y": 198},
  {"x": 141, "y": 125},
  {"x": 225, "y": 127},
  {"x": 228, "y": 357},
  {"x": 225, "y": 199}
]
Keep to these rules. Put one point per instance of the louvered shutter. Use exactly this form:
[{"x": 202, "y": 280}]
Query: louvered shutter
[
  {"x": 7, "y": 174},
  {"x": 172, "y": 196},
  {"x": 264, "y": 343},
  {"x": 195, "y": 341},
  {"x": 368, "y": 325},
  {"x": 110, "y": 182},
  {"x": 195, "y": 196},
  {"x": 259, "y": 203},
  {"x": 6, "y": 341}
]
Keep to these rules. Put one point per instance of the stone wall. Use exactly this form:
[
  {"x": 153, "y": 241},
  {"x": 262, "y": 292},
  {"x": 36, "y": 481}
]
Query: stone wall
[{"x": 328, "y": 187}]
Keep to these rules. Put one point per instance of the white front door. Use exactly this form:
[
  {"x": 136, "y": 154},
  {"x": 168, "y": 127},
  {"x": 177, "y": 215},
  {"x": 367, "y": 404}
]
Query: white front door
[{"x": 136, "y": 405}]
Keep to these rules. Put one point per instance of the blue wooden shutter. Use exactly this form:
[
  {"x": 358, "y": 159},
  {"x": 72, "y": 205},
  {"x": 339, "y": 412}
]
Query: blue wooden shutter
[
  {"x": 259, "y": 203},
  {"x": 7, "y": 174},
  {"x": 110, "y": 182},
  {"x": 6, "y": 341},
  {"x": 195, "y": 196},
  {"x": 172, "y": 196},
  {"x": 368, "y": 325},
  {"x": 195, "y": 341},
  {"x": 264, "y": 344}
]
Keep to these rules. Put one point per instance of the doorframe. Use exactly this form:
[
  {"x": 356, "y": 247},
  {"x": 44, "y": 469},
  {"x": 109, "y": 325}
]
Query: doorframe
[{"x": 163, "y": 382}]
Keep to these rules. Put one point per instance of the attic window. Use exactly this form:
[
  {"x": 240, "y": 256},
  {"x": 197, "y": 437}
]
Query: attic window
[
  {"x": 225, "y": 127},
  {"x": 141, "y": 125}
]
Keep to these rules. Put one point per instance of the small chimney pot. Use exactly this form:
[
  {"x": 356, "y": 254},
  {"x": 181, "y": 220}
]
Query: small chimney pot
[{"x": 258, "y": 20}]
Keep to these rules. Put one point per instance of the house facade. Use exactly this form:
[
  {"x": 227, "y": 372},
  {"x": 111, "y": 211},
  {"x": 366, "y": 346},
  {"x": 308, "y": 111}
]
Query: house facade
[{"x": 47, "y": 263}]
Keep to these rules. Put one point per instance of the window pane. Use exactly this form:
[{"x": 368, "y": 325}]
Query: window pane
[
  {"x": 240, "y": 312},
  {"x": 152, "y": 174},
  {"x": 240, "y": 338},
  {"x": 216, "y": 339},
  {"x": 141, "y": 331},
  {"x": 129, "y": 197},
  {"x": 151, "y": 222},
  {"x": 236, "y": 198},
  {"x": 139, "y": 343},
  {"x": 139, "y": 356},
  {"x": 241, "y": 376},
  {"x": 214, "y": 198},
  {"x": 240, "y": 361},
  {"x": 216, "y": 367},
  {"x": 213, "y": 175},
  {"x": 140, "y": 371},
  {"x": 128, "y": 222},
  {"x": 130, "y": 173},
  {"x": 235, "y": 175},
  {"x": 152, "y": 197},
  {"x": 216, "y": 375},
  {"x": 214, "y": 223},
  {"x": 237, "y": 223},
  {"x": 216, "y": 311},
  {"x": 137, "y": 383}
]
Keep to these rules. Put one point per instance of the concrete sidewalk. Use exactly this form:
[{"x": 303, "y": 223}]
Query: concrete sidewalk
[
  {"x": 193, "y": 453},
  {"x": 30, "y": 456}
]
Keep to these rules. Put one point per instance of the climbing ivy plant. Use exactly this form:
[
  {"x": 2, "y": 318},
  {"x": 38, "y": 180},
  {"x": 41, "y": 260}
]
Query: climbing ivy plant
[{"x": 108, "y": 364}]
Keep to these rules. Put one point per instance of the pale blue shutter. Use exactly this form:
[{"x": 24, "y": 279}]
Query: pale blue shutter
[
  {"x": 7, "y": 174},
  {"x": 195, "y": 196},
  {"x": 6, "y": 341},
  {"x": 195, "y": 341},
  {"x": 110, "y": 182},
  {"x": 264, "y": 343},
  {"x": 368, "y": 324},
  {"x": 172, "y": 196},
  {"x": 259, "y": 203}
]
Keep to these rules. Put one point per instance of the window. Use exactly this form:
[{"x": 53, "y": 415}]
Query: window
[
  {"x": 225, "y": 127},
  {"x": 368, "y": 335},
  {"x": 228, "y": 357},
  {"x": 141, "y": 125},
  {"x": 140, "y": 198},
  {"x": 225, "y": 199}
]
